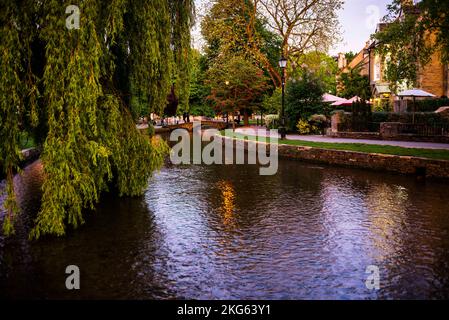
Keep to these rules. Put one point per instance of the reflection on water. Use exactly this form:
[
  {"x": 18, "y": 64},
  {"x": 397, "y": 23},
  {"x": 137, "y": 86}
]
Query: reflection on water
[{"x": 226, "y": 232}]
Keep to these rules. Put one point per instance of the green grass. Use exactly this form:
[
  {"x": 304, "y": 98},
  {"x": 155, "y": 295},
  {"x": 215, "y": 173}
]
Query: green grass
[
  {"x": 254, "y": 122},
  {"x": 439, "y": 154}
]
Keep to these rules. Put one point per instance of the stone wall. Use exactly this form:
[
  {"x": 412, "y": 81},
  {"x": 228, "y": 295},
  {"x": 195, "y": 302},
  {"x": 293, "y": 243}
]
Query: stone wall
[
  {"x": 373, "y": 161},
  {"x": 431, "y": 76},
  {"x": 429, "y": 168}
]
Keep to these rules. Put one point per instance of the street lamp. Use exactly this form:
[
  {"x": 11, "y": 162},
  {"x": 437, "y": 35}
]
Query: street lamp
[
  {"x": 283, "y": 65},
  {"x": 227, "y": 112}
]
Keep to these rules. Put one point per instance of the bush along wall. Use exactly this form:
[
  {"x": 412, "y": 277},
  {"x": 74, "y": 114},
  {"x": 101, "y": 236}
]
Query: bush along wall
[
  {"x": 428, "y": 118},
  {"x": 430, "y": 105}
]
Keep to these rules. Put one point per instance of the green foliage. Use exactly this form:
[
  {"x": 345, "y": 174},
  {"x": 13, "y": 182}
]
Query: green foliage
[
  {"x": 305, "y": 127},
  {"x": 303, "y": 99},
  {"x": 350, "y": 56},
  {"x": 405, "y": 43},
  {"x": 382, "y": 105},
  {"x": 435, "y": 18},
  {"x": 236, "y": 84},
  {"x": 430, "y": 105},
  {"x": 81, "y": 94},
  {"x": 428, "y": 118},
  {"x": 224, "y": 29},
  {"x": 314, "y": 125},
  {"x": 231, "y": 28},
  {"x": 11, "y": 105},
  {"x": 271, "y": 121},
  {"x": 361, "y": 116},
  {"x": 271, "y": 104},
  {"x": 182, "y": 18},
  {"x": 199, "y": 90},
  {"x": 202, "y": 110},
  {"x": 352, "y": 84},
  {"x": 323, "y": 67}
]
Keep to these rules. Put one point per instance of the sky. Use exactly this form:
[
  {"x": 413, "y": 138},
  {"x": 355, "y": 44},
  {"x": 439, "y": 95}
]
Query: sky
[{"x": 358, "y": 20}]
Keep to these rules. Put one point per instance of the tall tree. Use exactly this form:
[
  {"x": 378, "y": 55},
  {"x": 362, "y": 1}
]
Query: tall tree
[
  {"x": 74, "y": 85},
  {"x": 303, "y": 98},
  {"x": 320, "y": 64},
  {"x": 352, "y": 84},
  {"x": 302, "y": 25},
  {"x": 236, "y": 85},
  {"x": 199, "y": 90},
  {"x": 232, "y": 27}
]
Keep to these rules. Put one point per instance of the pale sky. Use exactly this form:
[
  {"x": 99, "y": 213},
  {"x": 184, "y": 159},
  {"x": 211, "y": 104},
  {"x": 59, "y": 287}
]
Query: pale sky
[{"x": 358, "y": 20}]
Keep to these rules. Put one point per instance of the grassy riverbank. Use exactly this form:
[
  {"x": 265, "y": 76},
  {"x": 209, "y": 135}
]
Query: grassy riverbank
[{"x": 440, "y": 154}]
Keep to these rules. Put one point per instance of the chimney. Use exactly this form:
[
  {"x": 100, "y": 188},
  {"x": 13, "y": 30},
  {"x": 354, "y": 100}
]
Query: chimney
[{"x": 342, "y": 61}]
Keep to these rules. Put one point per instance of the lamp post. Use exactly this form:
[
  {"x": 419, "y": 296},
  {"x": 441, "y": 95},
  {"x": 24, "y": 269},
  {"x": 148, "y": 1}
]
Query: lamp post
[
  {"x": 282, "y": 65},
  {"x": 227, "y": 112}
]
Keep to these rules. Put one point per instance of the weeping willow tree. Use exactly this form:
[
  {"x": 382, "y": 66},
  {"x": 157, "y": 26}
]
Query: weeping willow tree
[{"x": 71, "y": 89}]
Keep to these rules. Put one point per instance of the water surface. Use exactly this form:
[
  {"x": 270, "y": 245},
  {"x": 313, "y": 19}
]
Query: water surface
[{"x": 224, "y": 232}]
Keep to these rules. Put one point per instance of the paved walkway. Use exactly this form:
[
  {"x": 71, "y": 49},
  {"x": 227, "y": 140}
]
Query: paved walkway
[{"x": 404, "y": 144}]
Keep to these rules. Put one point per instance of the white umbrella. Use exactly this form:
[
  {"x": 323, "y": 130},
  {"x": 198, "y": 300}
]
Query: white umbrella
[
  {"x": 327, "y": 97},
  {"x": 415, "y": 93}
]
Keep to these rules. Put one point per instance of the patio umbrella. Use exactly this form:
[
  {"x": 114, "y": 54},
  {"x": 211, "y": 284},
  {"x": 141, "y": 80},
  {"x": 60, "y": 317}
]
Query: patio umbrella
[
  {"x": 327, "y": 97},
  {"x": 342, "y": 102},
  {"x": 415, "y": 93},
  {"x": 355, "y": 99},
  {"x": 347, "y": 102}
]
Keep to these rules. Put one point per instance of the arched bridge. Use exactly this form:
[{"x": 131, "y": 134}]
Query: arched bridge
[{"x": 208, "y": 124}]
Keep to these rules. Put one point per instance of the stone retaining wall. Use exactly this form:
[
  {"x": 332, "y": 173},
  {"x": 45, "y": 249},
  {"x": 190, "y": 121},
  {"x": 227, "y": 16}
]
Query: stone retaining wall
[
  {"x": 374, "y": 161},
  {"x": 429, "y": 168}
]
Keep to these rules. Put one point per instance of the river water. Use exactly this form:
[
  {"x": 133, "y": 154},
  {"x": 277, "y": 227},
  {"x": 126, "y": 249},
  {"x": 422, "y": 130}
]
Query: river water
[{"x": 225, "y": 232}]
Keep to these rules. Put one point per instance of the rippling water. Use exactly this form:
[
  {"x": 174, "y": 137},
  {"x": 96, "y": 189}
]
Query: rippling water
[{"x": 224, "y": 232}]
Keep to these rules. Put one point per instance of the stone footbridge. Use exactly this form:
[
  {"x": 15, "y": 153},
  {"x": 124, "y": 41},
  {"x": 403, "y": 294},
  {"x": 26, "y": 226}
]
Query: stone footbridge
[{"x": 220, "y": 125}]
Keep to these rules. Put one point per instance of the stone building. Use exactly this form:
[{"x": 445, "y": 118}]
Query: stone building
[{"x": 433, "y": 77}]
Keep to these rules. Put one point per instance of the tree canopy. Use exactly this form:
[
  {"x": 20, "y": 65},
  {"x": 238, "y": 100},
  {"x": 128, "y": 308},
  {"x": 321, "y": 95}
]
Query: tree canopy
[
  {"x": 236, "y": 85},
  {"x": 320, "y": 64},
  {"x": 352, "y": 83},
  {"x": 303, "y": 98},
  {"x": 302, "y": 26},
  {"x": 72, "y": 87},
  {"x": 412, "y": 34}
]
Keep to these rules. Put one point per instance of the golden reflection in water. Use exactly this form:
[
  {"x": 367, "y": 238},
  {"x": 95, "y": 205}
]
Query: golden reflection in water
[
  {"x": 228, "y": 203},
  {"x": 387, "y": 213}
]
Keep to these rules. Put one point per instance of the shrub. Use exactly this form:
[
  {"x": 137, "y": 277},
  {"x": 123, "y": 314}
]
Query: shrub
[
  {"x": 303, "y": 98},
  {"x": 429, "y": 118},
  {"x": 271, "y": 121},
  {"x": 318, "y": 118},
  {"x": 319, "y": 121},
  {"x": 382, "y": 105},
  {"x": 429, "y": 105},
  {"x": 272, "y": 103},
  {"x": 361, "y": 116},
  {"x": 305, "y": 127}
]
